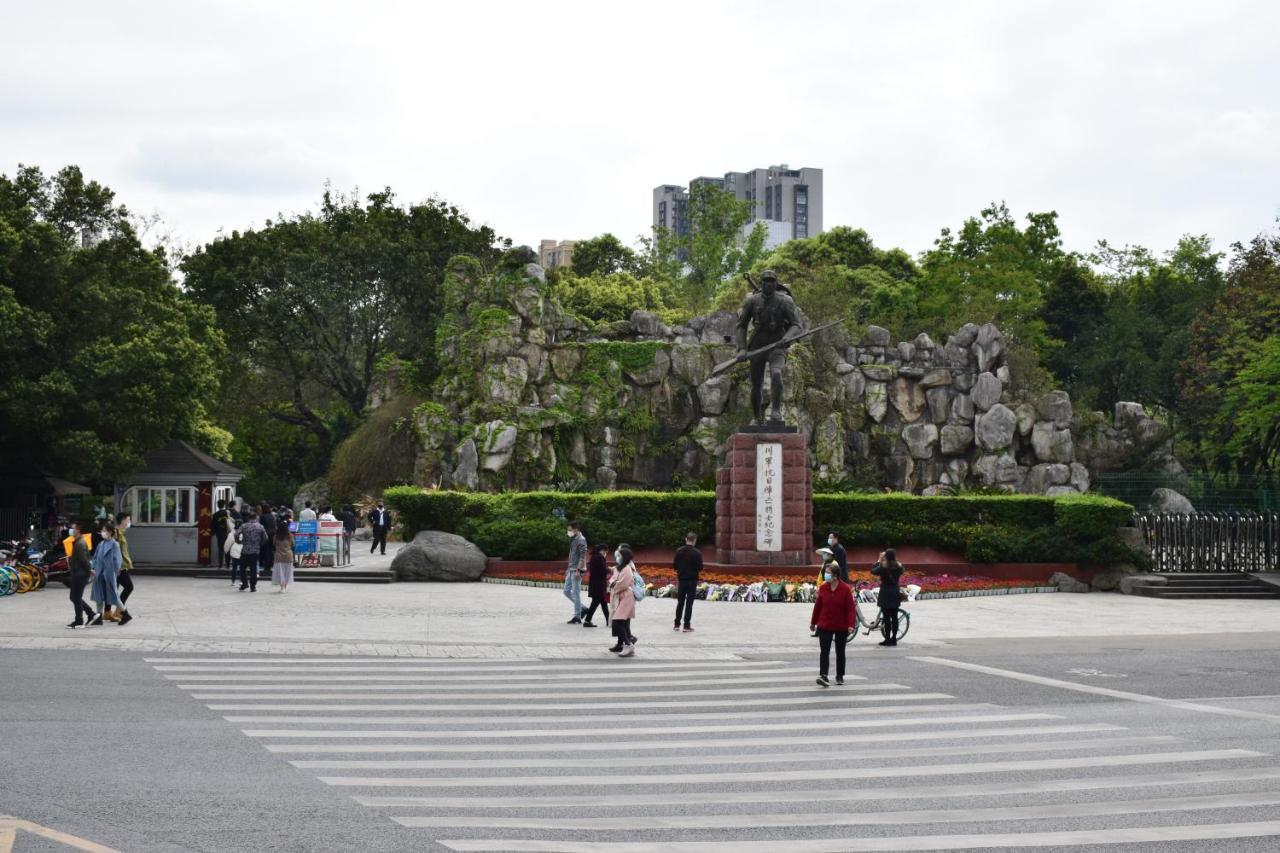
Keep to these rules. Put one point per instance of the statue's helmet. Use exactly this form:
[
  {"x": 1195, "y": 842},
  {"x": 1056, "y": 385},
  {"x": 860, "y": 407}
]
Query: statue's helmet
[{"x": 768, "y": 275}]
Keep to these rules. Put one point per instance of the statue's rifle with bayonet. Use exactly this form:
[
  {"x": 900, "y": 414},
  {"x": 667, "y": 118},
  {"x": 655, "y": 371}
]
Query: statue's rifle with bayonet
[{"x": 747, "y": 356}]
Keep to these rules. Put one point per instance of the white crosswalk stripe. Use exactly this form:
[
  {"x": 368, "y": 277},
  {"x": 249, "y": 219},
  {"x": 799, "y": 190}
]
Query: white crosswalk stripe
[{"x": 721, "y": 757}]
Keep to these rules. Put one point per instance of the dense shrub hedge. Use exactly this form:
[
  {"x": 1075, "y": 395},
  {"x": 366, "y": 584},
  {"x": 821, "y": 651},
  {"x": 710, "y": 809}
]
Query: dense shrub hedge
[
  {"x": 531, "y": 525},
  {"x": 984, "y": 528}
]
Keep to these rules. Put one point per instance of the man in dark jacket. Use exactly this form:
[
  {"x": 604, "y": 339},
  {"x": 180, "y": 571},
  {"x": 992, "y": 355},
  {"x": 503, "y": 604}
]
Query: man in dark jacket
[
  {"x": 219, "y": 526},
  {"x": 688, "y": 565},
  {"x": 79, "y": 569},
  {"x": 380, "y": 521},
  {"x": 252, "y": 538}
]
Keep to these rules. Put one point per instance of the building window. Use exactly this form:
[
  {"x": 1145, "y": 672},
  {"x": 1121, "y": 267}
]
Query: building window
[{"x": 163, "y": 504}]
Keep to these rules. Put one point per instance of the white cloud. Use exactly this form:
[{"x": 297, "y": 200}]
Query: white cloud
[{"x": 1136, "y": 121}]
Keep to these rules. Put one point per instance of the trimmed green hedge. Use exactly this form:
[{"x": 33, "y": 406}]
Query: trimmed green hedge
[
  {"x": 984, "y": 528},
  {"x": 531, "y": 525}
]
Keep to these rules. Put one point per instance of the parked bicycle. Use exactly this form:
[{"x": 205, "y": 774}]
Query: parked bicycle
[{"x": 864, "y": 598}]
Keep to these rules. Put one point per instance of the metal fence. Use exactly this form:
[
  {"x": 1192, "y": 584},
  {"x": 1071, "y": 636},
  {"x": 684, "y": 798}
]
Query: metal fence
[
  {"x": 1207, "y": 492},
  {"x": 1212, "y": 542}
]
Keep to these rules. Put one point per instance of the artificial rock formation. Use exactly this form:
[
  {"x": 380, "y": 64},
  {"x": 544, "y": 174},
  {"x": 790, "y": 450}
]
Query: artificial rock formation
[{"x": 531, "y": 397}]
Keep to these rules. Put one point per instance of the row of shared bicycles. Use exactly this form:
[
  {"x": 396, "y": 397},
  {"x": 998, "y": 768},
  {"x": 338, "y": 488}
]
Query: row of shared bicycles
[{"x": 27, "y": 565}]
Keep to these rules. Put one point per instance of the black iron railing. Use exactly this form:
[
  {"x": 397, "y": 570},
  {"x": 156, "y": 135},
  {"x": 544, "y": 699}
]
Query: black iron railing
[{"x": 1212, "y": 542}]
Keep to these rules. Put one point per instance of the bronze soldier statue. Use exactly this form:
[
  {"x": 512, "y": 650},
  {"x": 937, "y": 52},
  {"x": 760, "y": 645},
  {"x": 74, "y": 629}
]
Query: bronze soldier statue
[{"x": 775, "y": 319}]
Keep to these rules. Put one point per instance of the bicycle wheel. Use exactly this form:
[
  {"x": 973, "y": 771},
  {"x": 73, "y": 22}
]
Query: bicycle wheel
[
  {"x": 26, "y": 579},
  {"x": 8, "y": 579},
  {"x": 904, "y": 623}
]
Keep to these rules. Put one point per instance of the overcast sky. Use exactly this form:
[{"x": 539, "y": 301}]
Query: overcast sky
[{"x": 1137, "y": 122}]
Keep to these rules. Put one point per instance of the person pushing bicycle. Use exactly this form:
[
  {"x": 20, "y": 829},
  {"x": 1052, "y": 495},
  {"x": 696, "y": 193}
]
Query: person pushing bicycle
[{"x": 889, "y": 570}]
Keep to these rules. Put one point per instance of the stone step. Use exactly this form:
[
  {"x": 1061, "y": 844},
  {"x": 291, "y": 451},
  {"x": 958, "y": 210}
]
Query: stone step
[{"x": 1156, "y": 592}]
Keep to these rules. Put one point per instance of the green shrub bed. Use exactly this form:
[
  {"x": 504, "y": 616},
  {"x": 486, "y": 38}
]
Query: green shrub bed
[{"x": 983, "y": 528}]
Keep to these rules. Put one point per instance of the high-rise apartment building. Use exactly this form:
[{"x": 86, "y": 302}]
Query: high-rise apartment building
[{"x": 788, "y": 201}]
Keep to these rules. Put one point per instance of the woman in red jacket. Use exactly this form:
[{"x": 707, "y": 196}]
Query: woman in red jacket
[{"x": 835, "y": 619}]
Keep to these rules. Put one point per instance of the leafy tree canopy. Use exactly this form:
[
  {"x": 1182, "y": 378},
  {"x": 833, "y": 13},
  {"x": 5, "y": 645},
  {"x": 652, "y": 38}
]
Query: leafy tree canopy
[
  {"x": 315, "y": 304},
  {"x": 105, "y": 358}
]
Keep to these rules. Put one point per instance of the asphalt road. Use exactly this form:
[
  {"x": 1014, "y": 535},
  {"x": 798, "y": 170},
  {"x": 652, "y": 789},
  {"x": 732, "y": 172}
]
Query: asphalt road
[{"x": 1108, "y": 744}]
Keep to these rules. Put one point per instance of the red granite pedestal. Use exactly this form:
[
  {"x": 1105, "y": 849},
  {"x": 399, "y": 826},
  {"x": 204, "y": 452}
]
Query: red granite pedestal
[{"x": 737, "y": 516}]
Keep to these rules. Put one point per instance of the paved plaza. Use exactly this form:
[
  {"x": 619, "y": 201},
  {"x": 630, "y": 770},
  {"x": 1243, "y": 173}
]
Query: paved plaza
[{"x": 471, "y": 718}]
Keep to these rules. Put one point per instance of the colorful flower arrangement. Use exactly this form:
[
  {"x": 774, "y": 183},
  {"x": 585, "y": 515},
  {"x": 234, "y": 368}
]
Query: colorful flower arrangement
[{"x": 658, "y": 577}]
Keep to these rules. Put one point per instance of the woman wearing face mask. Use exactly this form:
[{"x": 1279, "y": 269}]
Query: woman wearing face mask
[
  {"x": 123, "y": 523},
  {"x": 106, "y": 564},
  {"x": 834, "y": 619},
  {"x": 624, "y": 602},
  {"x": 839, "y": 554}
]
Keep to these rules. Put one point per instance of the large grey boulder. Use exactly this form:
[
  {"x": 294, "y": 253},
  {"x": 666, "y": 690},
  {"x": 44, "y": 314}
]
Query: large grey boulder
[
  {"x": 437, "y": 556},
  {"x": 1065, "y": 583},
  {"x": 654, "y": 373},
  {"x": 877, "y": 336},
  {"x": 718, "y": 328},
  {"x": 877, "y": 400},
  {"x": 691, "y": 363},
  {"x": 920, "y": 439},
  {"x": 713, "y": 395},
  {"x": 939, "y": 403},
  {"x": 962, "y": 409},
  {"x": 986, "y": 391},
  {"x": 1052, "y": 444},
  {"x": 994, "y": 430},
  {"x": 498, "y": 443},
  {"x": 317, "y": 491},
  {"x": 908, "y": 398},
  {"x": 988, "y": 346},
  {"x": 956, "y": 439},
  {"x": 467, "y": 472},
  {"x": 1169, "y": 501},
  {"x": 1055, "y": 406}
]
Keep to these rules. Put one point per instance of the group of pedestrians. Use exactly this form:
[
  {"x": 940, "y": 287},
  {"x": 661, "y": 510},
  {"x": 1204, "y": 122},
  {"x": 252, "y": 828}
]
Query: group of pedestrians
[
  {"x": 255, "y": 540},
  {"x": 622, "y": 586},
  {"x": 834, "y": 619},
  {"x": 98, "y": 560}
]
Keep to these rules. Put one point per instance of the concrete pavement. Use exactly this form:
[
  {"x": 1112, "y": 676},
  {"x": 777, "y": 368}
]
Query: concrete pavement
[{"x": 491, "y": 620}]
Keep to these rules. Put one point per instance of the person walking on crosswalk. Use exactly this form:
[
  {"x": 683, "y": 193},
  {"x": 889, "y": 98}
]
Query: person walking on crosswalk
[
  {"x": 624, "y": 602},
  {"x": 575, "y": 569},
  {"x": 834, "y": 619},
  {"x": 597, "y": 584}
]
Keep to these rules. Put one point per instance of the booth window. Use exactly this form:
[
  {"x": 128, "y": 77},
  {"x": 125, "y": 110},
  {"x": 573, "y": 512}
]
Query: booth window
[{"x": 161, "y": 505}]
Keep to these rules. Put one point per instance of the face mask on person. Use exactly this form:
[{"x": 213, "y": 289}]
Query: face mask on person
[
  {"x": 826, "y": 576},
  {"x": 831, "y": 540},
  {"x": 617, "y": 556},
  {"x": 569, "y": 533}
]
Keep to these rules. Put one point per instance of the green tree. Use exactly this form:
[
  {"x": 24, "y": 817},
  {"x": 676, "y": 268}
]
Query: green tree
[
  {"x": 606, "y": 298},
  {"x": 992, "y": 270},
  {"x": 105, "y": 358},
  {"x": 603, "y": 255},
  {"x": 1135, "y": 350},
  {"x": 842, "y": 273},
  {"x": 316, "y": 303},
  {"x": 1231, "y": 360},
  {"x": 1074, "y": 311},
  {"x": 703, "y": 261}
]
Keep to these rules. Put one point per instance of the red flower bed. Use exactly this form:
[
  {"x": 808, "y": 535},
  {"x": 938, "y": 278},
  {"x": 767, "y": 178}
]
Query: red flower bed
[{"x": 659, "y": 576}]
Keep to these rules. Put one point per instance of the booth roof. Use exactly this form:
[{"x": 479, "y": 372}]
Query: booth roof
[{"x": 178, "y": 457}]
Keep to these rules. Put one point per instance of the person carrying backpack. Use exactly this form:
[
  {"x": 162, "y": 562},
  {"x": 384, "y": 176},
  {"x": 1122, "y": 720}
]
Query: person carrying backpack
[{"x": 622, "y": 596}]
